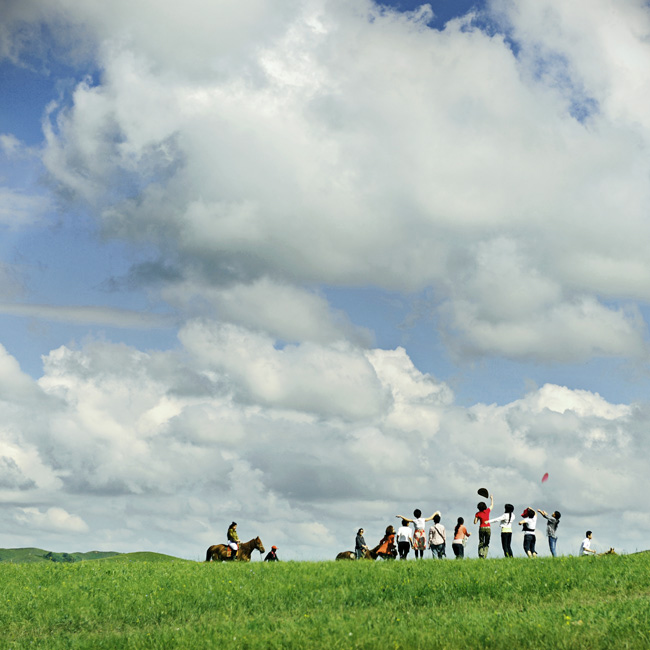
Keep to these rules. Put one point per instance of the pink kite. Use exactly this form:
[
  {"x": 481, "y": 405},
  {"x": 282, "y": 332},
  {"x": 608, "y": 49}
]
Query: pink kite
[{"x": 545, "y": 478}]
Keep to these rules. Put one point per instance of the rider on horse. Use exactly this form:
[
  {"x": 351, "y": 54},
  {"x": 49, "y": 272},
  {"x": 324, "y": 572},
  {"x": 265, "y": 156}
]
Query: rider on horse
[{"x": 233, "y": 540}]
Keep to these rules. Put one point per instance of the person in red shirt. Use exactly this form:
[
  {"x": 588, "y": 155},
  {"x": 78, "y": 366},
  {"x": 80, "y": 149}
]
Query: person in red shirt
[{"x": 484, "y": 531}]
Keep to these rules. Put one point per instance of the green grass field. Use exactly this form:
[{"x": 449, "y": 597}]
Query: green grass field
[{"x": 151, "y": 601}]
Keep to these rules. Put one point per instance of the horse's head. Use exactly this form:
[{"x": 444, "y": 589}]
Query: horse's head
[{"x": 258, "y": 545}]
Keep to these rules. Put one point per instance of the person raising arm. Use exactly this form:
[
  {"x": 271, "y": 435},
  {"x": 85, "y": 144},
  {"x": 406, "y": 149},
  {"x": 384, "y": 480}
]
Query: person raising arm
[
  {"x": 484, "y": 531},
  {"x": 419, "y": 534}
]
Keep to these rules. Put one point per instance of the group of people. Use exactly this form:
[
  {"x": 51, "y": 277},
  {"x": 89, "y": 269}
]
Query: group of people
[
  {"x": 401, "y": 542},
  {"x": 506, "y": 521}
]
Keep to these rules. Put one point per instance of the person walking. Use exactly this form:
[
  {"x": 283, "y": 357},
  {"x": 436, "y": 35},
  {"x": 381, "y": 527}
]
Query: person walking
[
  {"x": 437, "y": 539},
  {"x": 360, "y": 546},
  {"x": 529, "y": 523},
  {"x": 404, "y": 540},
  {"x": 505, "y": 521},
  {"x": 419, "y": 532},
  {"x": 552, "y": 522},
  {"x": 460, "y": 536},
  {"x": 482, "y": 518}
]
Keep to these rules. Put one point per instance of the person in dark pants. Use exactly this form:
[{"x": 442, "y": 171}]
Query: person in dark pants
[
  {"x": 529, "y": 523},
  {"x": 438, "y": 539},
  {"x": 360, "y": 546},
  {"x": 482, "y": 518},
  {"x": 505, "y": 521},
  {"x": 404, "y": 540},
  {"x": 272, "y": 556},
  {"x": 460, "y": 535}
]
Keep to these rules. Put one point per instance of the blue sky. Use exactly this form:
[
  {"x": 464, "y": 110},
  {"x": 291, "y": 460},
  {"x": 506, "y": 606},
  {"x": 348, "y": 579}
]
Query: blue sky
[{"x": 418, "y": 240}]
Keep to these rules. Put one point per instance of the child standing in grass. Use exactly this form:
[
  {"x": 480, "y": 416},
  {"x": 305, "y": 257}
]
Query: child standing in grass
[
  {"x": 552, "y": 522},
  {"x": 460, "y": 535}
]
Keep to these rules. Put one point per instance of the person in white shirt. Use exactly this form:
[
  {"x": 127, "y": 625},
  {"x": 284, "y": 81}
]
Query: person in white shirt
[
  {"x": 404, "y": 539},
  {"x": 419, "y": 534},
  {"x": 529, "y": 524},
  {"x": 585, "y": 547},
  {"x": 437, "y": 538},
  {"x": 505, "y": 521}
]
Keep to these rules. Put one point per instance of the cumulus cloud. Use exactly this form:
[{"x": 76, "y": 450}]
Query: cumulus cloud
[
  {"x": 181, "y": 442},
  {"x": 284, "y": 311},
  {"x": 289, "y": 168},
  {"x": 53, "y": 519},
  {"x": 306, "y": 377}
]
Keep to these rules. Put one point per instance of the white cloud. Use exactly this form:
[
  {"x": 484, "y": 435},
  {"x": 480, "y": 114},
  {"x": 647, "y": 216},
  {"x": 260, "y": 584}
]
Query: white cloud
[
  {"x": 53, "y": 519},
  {"x": 10, "y": 144},
  {"x": 86, "y": 314},
  {"x": 134, "y": 441},
  {"x": 284, "y": 311},
  {"x": 18, "y": 209},
  {"x": 336, "y": 379},
  {"x": 351, "y": 151}
]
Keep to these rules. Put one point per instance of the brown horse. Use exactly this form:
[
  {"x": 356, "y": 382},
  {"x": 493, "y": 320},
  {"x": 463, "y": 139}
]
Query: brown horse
[
  {"x": 221, "y": 552},
  {"x": 349, "y": 555},
  {"x": 346, "y": 555}
]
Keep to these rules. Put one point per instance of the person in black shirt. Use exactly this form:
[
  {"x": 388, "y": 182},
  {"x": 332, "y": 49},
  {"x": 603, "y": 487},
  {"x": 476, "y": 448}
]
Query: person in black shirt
[{"x": 272, "y": 556}]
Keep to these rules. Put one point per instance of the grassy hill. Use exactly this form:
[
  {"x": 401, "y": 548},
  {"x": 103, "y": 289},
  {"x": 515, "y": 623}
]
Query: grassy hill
[
  {"x": 145, "y": 556},
  {"x": 564, "y": 603},
  {"x": 31, "y": 555}
]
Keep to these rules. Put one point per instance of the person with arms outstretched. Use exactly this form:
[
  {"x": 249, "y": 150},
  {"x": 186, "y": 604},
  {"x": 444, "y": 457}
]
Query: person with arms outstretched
[
  {"x": 552, "y": 522},
  {"x": 419, "y": 534}
]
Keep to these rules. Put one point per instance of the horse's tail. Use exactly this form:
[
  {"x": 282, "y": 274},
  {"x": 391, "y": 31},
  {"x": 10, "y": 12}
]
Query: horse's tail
[{"x": 208, "y": 555}]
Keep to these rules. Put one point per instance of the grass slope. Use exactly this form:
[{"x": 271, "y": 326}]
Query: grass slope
[
  {"x": 30, "y": 555},
  {"x": 145, "y": 556},
  {"x": 545, "y": 603}
]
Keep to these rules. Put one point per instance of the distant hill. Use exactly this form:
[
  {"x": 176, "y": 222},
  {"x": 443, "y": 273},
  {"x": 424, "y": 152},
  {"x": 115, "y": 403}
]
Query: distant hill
[
  {"x": 31, "y": 555},
  {"x": 145, "y": 556}
]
